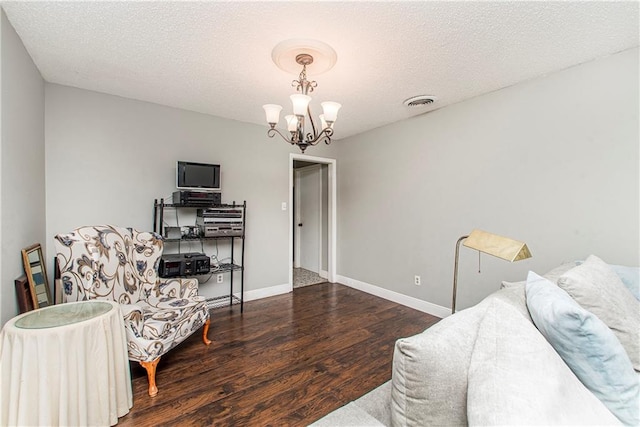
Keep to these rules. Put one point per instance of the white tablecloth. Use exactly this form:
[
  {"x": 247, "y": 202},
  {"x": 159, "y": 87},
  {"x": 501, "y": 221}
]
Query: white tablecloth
[{"x": 75, "y": 374}]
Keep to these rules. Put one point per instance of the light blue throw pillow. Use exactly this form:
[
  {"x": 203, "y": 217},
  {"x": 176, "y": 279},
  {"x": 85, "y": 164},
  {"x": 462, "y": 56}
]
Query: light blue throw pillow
[{"x": 587, "y": 346}]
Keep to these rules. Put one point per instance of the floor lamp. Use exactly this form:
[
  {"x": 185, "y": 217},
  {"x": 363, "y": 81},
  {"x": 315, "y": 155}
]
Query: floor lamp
[{"x": 492, "y": 244}]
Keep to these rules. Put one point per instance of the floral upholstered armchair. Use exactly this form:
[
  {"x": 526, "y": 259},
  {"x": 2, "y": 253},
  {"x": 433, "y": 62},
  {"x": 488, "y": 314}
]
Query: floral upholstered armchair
[{"x": 121, "y": 264}]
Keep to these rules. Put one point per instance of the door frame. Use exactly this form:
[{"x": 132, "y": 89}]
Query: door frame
[
  {"x": 332, "y": 209},
  {"x": 296, "y": 215}
]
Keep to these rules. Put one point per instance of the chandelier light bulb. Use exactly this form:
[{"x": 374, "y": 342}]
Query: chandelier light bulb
[
  {"x": 330, "y": 110},
  {"x": 323, "y": 122},
  {"x": 272, "y": 111},
  {"x": 292, "y": 122},
  {"x": 300, "y": 103}
]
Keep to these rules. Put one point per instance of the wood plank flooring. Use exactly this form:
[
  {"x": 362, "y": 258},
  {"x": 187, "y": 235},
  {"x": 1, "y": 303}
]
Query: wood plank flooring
[{"x": 288, "y": 360}]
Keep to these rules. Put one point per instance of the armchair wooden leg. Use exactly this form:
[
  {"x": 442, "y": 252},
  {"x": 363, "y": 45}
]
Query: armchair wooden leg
[
  {"x": 151, "y": 374},
  {"x": 205, "y": 330}
]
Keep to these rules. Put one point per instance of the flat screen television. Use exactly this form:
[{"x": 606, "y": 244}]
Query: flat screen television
[{"x": 197, "y": 176}]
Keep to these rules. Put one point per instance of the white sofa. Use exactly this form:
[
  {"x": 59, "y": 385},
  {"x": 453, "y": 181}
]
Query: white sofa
[{"x": 490, "y": 365}]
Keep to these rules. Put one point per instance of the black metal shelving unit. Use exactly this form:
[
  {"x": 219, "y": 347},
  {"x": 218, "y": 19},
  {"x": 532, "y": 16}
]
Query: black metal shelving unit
[{"x": 232, "y": 267}]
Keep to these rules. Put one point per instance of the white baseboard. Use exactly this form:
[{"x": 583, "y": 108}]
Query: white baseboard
[
  {"x": 266, "y": 292},
  {"x": 415, "y": 303},
  {"x": 324, "y": 274}
]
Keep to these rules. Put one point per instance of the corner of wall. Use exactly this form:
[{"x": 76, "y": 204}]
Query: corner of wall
[
  {"x": 2, "y": 19},
  {"x": 22, "y": 166}
]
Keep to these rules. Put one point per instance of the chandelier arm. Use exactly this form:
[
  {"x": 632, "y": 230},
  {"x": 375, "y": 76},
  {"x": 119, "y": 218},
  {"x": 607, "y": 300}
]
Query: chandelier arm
[
  {"x": 272, "y": 132},
  {"x": 313, "y": 125},
  {"x": 325, "y": 135}
]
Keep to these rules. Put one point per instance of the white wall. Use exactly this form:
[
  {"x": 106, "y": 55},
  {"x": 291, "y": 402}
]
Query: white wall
[
  {"x": 22, "y": 165},
  {"x": 553, "y": 162}
]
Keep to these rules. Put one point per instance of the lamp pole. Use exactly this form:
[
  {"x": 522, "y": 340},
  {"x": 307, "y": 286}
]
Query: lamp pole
[{"x": 455, "y": 274}]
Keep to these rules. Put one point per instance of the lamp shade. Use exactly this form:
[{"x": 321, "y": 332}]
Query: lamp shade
[
  {"x": 498, "y": 246},
  {"x": 292, "y": 122},
  {"x": 272, "y": 111},
  {"x": 300, "y": 103},
  {"x": 492, "y": 244},
  {"x": 330, "y": 110}
]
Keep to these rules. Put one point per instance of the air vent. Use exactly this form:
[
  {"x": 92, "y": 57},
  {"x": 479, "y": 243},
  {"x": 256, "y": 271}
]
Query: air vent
[{"x": 419, "y": 101}]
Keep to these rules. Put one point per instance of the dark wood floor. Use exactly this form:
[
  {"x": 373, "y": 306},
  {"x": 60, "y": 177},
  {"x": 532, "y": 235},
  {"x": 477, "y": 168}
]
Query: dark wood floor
[{"x": 288, "y": 360}]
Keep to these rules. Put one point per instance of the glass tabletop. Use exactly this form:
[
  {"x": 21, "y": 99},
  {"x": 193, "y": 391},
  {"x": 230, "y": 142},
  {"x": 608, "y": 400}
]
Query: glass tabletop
[{"x": 62, "y": 314}]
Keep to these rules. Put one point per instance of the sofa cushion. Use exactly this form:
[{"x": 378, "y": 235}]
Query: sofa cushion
[
  {"x": 516, "y": 378},
  {"x": 630, "y": 277},
  {"x": 553, "y": 274},
  {"x": 429, "y": 375},
  {"x": 587, "y": 346},
  {"x": 598, "y": 289},
  {"x": 515, "y": 296}
]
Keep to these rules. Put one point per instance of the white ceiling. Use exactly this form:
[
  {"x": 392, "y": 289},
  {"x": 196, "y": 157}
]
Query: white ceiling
[{"x": 215, "y": 57}]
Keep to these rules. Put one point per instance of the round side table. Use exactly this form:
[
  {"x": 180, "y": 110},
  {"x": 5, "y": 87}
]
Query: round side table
[{"x": 65, "y": 364}]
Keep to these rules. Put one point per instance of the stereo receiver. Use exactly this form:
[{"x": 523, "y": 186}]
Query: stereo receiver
[{"x": 174, "y": 265}]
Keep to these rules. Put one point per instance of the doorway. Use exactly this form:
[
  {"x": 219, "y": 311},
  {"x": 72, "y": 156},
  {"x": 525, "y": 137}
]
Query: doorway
[
  {"x": 312, "y": 219},
  {"x": 309, "y": 223}
]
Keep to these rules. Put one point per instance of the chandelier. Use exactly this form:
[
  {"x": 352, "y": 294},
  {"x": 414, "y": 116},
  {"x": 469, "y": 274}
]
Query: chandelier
[{"x": 296, "y": 121}]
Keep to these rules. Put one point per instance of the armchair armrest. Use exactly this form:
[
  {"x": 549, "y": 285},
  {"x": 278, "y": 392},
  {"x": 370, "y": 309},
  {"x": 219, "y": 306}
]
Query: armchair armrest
[
  {"x": 178, "y": 288},
  {"x": 133, "y": 318}
]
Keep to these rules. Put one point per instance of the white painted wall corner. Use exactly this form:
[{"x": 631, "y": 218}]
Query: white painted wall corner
[{"x": 266, "y": 292}]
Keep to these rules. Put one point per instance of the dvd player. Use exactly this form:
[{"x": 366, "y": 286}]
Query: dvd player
[{"x": 225, "y": 229}]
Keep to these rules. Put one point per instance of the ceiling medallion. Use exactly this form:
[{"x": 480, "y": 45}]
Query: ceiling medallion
[{"x": 313, "y": 55}]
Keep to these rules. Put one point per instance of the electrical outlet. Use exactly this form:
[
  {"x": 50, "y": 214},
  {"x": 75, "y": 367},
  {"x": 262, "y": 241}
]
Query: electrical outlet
[
  {"x": 416, "y": 280},
  {"x": 284, "y": 206},
  {"x": 220, "y": 278}
]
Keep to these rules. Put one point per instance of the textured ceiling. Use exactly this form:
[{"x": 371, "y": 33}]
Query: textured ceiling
[{"x": 215, "y": 57}]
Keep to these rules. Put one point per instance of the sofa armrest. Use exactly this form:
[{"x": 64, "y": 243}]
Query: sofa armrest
[
  {"x": 178, "y": 288},
  {"x": 350, "y": 415},
  {"x": 372, "y": 409},
  {"x": 377, "y": 403}
]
